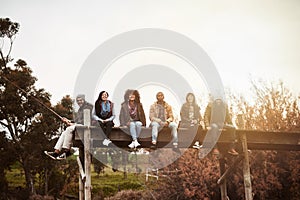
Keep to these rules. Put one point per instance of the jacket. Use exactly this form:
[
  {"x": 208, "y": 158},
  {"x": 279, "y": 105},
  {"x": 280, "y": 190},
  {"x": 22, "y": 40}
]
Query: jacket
[
  {"x": 79, "y": 115},
  {"x": 125, "y": 117},
  {"x": 154, "y": 111},
  {"x": 209, "y": 118},
  {"x": 184, "y": 113}
]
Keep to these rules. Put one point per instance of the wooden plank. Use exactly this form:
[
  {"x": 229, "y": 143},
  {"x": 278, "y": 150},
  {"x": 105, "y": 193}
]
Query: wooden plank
[{"x": 256, "y": 140}]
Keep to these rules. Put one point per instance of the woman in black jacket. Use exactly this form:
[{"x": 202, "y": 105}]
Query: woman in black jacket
[{"x": 104, "y": 113}]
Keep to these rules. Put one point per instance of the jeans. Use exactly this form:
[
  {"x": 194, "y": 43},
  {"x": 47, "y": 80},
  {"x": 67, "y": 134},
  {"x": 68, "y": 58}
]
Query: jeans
[
  {"x": 172, "y": 126},
  {"x": 135, "y": 128}
]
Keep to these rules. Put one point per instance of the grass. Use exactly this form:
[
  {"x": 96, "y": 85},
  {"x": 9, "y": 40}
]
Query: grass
[
  {"x": 106, "y": 184},
  {"x": 16, "y": 176},
  {"x": 111, "y": 182}
]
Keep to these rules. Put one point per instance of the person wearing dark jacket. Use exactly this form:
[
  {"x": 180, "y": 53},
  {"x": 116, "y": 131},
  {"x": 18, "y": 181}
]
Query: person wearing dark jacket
[
  {"x": 63, "y": 145},
  {"x": 132, "y": 115},
  {"x": 104, "y": 113},
  {"x": 190, "y": 112},
  {"x": 190, "y": 115},
  {"x": 217, "y": 117}
]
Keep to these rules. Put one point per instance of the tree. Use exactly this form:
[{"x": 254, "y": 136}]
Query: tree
[
  {"x": 7, "y": 157},
  {"x": 26, "y": 121},
  {"x": 275, "y": 173},
  {"x": 25, "y": 112},
  {"x": 8, "y": 31}
]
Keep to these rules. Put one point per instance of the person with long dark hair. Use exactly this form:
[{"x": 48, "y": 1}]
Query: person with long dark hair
[
  {"x": 132, "y": 115},
  {"x": 190, "y": 112},
  {"x": 190, "y": 115},
  {"x": 104, "y": 113}
]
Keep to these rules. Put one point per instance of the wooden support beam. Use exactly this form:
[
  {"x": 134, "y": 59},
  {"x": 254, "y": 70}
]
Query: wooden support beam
[
  {"x": 87, "y": 155},
  {"x": 246, "y": 168},
  {"x": 230, "y": 169},
  {"x": 81, "y": 190},
  {"x": 81, "y": 171},
  {"x": 223, "y": 186}
]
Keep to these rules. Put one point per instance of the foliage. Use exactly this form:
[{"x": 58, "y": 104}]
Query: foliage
[
  {"x": 275, "y": 174},
  {"x": 8, "y": 31},
  {"x": 7, "y": 157},
  {"x": 26, "y": 117}
]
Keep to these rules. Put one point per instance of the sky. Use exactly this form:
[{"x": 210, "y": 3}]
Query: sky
[{"x": 243, "y": 39}]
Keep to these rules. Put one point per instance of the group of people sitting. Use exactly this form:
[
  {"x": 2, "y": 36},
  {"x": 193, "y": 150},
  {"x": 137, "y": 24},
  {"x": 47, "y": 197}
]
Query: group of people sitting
[{"x": 132, "y": 117}]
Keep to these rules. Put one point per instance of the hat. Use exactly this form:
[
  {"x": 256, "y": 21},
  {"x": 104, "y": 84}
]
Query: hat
[{"x": 81, "y": 96}]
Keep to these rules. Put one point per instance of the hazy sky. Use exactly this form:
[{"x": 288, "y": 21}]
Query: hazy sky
[{"x": 258, "y": 38}]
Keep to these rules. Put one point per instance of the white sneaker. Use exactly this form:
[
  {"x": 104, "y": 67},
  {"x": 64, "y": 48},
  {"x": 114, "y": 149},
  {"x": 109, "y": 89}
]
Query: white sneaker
[
  {"x": 196, "y": 145},
  {"x": 131, "y": 145},
  {"x": 136, "y": 143},
  {"x": 106, "y": 142},
  {"x": 175, "y": 144}
]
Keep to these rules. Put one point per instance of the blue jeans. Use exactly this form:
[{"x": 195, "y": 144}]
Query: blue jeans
[
  {"x": 135, "y": 128},
  {"x": 156, "y": 126}
]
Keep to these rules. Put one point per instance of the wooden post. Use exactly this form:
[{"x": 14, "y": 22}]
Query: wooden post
[
  {"x": 81, "y": 192},
  {"x": 223, "y": 186},
  {"x": 246, "y": 166},
  {"x": 87, "y": 155},
  {"x": 246, "y": 169}
]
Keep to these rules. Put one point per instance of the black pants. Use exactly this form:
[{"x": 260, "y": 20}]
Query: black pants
[{"x": 106, "y": 127}]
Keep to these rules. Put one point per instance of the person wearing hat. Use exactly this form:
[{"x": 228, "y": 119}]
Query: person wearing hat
[{"x": 63, "y": 145}]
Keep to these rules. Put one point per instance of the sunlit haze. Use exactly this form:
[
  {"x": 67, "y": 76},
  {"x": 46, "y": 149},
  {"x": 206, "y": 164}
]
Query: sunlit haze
[{"x": 245, "y": 39}]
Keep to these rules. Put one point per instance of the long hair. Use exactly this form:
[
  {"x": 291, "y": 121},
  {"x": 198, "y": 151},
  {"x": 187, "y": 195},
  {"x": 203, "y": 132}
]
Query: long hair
[
  {"x": 191, "y": 94},
  {"x": 98, "y": 102},
  {"x": 137, "y": 96},
  {"x": 126, "y": 95},
  {"x": 100, "y": 96}
]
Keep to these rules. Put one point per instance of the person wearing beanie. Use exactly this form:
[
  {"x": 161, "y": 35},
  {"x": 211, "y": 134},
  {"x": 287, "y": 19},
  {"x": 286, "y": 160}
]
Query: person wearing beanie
[{"x": 63, "y": 145}]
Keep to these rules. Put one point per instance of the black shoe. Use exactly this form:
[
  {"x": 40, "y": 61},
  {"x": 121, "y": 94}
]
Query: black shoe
[
  {"x": 153, "y": 146},
  {"x": 62, "y": 156}
]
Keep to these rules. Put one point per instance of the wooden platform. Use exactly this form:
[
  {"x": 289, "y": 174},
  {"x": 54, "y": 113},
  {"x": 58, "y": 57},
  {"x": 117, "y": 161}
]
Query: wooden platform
[
  {"x": 246, "y": 139},
  {"x": 256, "y": 140}
]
